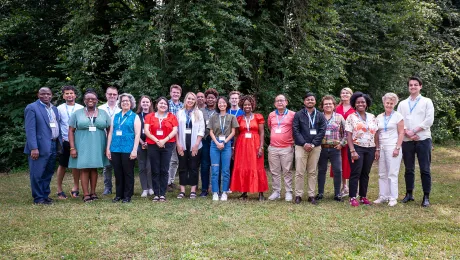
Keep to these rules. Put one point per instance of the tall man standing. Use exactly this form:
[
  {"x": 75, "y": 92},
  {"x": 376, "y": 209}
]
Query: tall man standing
[
  {"x": 418, "y": 113},
  {"x": 111, "y": 107},
  {"x": 43, "y": 142},
  {"x": 309, "y": 128},
  {"x": 175, "y": 91},
  {"x": 281, "y": 151},
  {"x": 65, "y": 111}
]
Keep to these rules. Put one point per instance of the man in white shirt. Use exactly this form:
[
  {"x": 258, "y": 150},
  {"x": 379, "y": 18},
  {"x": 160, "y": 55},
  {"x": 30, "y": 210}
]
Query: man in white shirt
[
  {"x": 418, "y": 113},
  {"x": 111, "y": 107},
  {"x": 65, "y": 112}
]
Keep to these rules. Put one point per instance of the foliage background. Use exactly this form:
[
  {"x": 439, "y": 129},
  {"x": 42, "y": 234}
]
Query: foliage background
[{"x": 255, "y": 46}]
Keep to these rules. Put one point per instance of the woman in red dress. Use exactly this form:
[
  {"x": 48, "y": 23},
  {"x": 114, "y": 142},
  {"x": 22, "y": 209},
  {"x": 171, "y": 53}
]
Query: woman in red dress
[
  {"x": 344, "y": 108},
  {"x": 249, "y": 171}
]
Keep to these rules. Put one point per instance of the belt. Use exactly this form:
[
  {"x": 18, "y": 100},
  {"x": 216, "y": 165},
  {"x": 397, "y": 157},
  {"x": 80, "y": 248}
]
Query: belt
[
  {"x": 328, "y": 146},
  {"x": 54, "y": 139}
]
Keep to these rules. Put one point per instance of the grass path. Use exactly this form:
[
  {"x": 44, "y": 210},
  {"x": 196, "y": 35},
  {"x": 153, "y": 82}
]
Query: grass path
[{"x": 203, "y": 229}]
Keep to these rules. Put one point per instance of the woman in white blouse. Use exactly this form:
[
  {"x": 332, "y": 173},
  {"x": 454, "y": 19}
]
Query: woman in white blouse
[
  {"x": 391, "y": 135},
  {"x": 190, "y": 131}
]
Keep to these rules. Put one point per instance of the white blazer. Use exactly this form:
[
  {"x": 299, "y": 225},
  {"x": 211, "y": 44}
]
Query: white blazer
[{"x": 198, "y": 127}]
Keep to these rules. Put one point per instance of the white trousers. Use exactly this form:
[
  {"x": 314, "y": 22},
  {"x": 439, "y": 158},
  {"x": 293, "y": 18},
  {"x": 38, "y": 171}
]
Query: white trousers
[{"x": 388, "y": 172}]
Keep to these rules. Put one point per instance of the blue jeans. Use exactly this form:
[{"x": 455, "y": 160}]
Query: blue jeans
[
  {"x": 423, "y": 151},
  {"x": 205, "y": 163},
  {"x": 220, "y": 159}
]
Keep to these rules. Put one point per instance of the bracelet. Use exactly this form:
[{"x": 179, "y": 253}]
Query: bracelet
[
  {"x": 352, "y": 151},
  {"x": 377, "y": 149},
  {"x": 72, "y": 149}
]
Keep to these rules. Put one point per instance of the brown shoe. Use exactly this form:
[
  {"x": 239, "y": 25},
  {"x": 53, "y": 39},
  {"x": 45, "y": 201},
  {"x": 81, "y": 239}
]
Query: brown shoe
[{"x": 312, "y": 200}]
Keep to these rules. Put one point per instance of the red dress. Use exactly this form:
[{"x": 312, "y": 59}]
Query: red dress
[
  {"x": 345, "y": 163},
  {"x": 249, "y": 171}
]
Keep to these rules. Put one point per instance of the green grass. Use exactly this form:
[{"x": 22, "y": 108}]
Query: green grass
[{"x": 203, "y": 229}]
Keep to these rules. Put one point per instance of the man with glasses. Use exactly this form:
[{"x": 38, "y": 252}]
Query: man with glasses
[
  {"x": 281, "y": 149},
  {"x": 111, "y": 107}
]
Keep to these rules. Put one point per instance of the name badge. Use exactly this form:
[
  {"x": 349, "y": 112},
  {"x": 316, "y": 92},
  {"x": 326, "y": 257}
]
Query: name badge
[
  {"x": 328, "y": 132},
  {"x": 52, "y": 124},
  {"x": 92, "y": 129},
  {"x": 277, "y": 131},
  {"x": 384, "y": 135},
  {"x": 207, "y": 122},
  {"x": 188, "y": 131},
  {"x": 142, "y": 131},
  {"x": 409, "y": 116},
  {"x": 248, "y": 135},
  {"x": 159, "y": 132},
  {"x": 222, "y": 138},
  {"x": 313, "y": 131},
  {"x": 119, "y": 133}
]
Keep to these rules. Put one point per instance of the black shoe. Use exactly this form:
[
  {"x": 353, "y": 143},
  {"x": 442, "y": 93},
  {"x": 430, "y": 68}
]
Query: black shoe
[
  {"x": 298, "y": 199},
  {"x": 116, "y": 199},
  {"x": 126, "y": 200},
  {"x": 204, "y": 194},
  {"x": 261, "y": 196},
  {"x": 319, "y": 196},
  {"x": 170, "y": 188},
  {"x": 43, "y": 202},
  {"x": 426, "y": 201},
  {"x": 50, "y": 200},
  {"x": 312, "y": 200},
  {"x": 338, "y": 198},
  {"x": 243, "y": 196},
  {"x": 408, "y": 198}
]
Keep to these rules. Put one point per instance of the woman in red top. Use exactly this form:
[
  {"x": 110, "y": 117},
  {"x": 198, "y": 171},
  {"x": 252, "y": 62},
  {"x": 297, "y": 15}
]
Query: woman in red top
[
  {"x": 249, "y": 172},
  {"x": 344, "y": 108},
  {"x": 160, "y": 128}
]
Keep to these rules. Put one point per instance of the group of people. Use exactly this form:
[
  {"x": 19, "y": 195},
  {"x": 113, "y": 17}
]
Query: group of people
[{"x": 220, "y": 140}]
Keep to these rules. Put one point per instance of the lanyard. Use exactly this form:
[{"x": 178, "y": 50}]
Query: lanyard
[
  {"x": 67, "y": 110},
  {"x": 222, "y": 126},
  {"x": 385, "y": 121},
  {"x": 143, "y": 118},
  {"x": 411, "y": 108},
  {"x": 332, "y": 119},
  {"x": 160, "y": 119},
  {"x": 49, "y": 112},
  {"x": 187, "y": 115},
  {"x": 367, "y": 126},
  {"x": 209, "y": 115},
  {"x": 91, "y": 118},
  {"x": 312, "y": 122},
  {"x": 119, "y": 125},
  {"x": 248, "y": 122},
  {"x": 282, "y": 118},
  {"x": 108, "y": 110},
  {"x": 236, "y": 113}
]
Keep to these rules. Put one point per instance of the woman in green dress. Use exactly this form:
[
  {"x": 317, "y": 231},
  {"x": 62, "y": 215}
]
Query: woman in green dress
[{"x": 88, "y": 139}]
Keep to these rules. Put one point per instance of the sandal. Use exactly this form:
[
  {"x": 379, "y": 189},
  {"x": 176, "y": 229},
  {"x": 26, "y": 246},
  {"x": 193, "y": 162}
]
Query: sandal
[
  {"x": 87, "y": 198},
  {"x": 156, "y": 199},
  {"x": 75, "y": 193},
  {"x": 162, "y": 199},
  {"x": 181, "y": 195},
  {"x": 193, "y": 195},
  {"x": 61, "y": 195},
  {"x": 94, "y": 196}
]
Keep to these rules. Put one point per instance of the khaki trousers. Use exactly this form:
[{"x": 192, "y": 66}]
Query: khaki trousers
[
  {"x": 306, "y": 161},
  {"x": 280, "y": 162}
]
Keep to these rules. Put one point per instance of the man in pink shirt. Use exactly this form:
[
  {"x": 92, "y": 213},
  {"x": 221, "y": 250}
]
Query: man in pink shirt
[{"x": 281, "y": 151}]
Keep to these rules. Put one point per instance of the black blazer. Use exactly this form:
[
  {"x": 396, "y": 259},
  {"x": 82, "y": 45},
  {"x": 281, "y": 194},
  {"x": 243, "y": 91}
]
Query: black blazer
[{"x": 301, "y": 128}]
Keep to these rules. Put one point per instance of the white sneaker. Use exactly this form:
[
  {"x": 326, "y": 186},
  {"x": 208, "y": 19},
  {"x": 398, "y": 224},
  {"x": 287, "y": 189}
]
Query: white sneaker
[
  {"x": 380, "y": 200},
  {"x": 229, "y": 191},
  {"x": 275, "y": 195},
  {"x": 392, "y": 202},
  {"x": 344, "y": 191},
  {"x": 215, "y": 196},
  {"x": 223, "y": 197},
  {"x": 144, "y": 194},
  {"x": 151, "y": 192},
  {"x": 288, "y": 196}
]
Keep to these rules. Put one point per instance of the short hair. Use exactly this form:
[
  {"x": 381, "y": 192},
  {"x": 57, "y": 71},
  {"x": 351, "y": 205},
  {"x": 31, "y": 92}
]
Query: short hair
[
  {"x": 211, "y": 91},
  {"x": 249, "y": 98},
  {"x": 132, "y": 101},
  {"x": 392, "y": 96},
  {"x": 309, "y": 94},
  {"x": 66, "y": 88},
  {"x": 415, "y": 78},
  {"x": 233, "y": 92},
  {"x": 139, "y": 107},
  {"x": 158, "y": 101},
  {"x": 175, "y": 86},
  {"x": 357, "y": 95},
  {"x": 90, "y": 91},
  {"x": 224, "y": 99},
  {"x": 111, "y": 87},
  {"x": 281, "y": 95},
  {"x": 327, "y": 97}
]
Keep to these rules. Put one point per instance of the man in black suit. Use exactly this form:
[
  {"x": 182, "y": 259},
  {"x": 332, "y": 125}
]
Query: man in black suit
[{"x": 43, "y": 141}]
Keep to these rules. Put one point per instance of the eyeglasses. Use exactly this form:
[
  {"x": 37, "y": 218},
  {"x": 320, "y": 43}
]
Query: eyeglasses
[
  {"x": 280, "y": 100},
  {"x": 112, "y": 94},
  {"x": 125, "y": 101}
]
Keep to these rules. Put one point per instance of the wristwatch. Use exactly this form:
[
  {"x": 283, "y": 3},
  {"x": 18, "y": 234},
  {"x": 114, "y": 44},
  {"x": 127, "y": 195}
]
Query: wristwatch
[{"x": 312, "y": 146}]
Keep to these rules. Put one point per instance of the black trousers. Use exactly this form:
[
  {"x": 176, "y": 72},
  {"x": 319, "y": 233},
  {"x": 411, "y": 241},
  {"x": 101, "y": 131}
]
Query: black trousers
[
  {"x": 159, "y": 161},
  {"x": 188, "y": 168},
  {"x": 123, "y": 168},
  {"x": 423, "y": 151},
  {"x": 360, "y": 170}
]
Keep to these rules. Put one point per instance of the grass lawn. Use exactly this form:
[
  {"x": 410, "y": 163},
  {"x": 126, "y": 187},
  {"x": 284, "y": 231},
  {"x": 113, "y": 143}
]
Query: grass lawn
[{"x": 203, "y": 229}]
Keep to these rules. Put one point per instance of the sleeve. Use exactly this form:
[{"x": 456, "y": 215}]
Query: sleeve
[
  {"x": 349, "y": 124},
  {"x": 108, "y": 119},
  {"x": 173, "y": 119},
  {"x": 211, "y": 123},
  {"x": 31, "y": 127},
  {"x": 298, "y": 138},
  {"x": 429, "y": 115},
  {"x": 399, "y": 117},
  {"x": 201, "y": 124},
  {"x": 260, "y": 119},
  {"x": 343, "y": 133},
  {"x": 235, "y": 122},
  {"x": 73, "y": 120},
  {"x": 321, "y": 130},
  {"x": 269, "y": 121}
]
